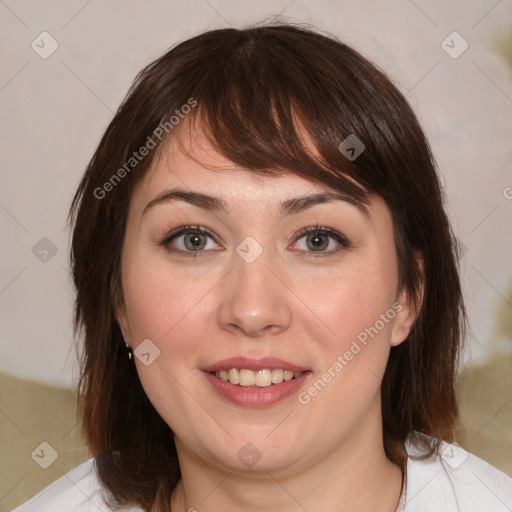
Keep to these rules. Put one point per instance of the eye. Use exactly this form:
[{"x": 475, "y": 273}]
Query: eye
[
  {"x": 324, "y": 241},
  {"x": 191, "y": 241},
  {"x": 187, "y": 240}
]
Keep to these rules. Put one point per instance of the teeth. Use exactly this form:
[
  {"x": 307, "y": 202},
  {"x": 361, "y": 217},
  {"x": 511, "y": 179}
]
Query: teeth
[
  {"x": 288, "y": 375},
  {"x": 277, "y": 376},
  {"x": 247, "y": 378},
  {"x": 234, "y": 376},
  {"x": 261, "y": 378}
]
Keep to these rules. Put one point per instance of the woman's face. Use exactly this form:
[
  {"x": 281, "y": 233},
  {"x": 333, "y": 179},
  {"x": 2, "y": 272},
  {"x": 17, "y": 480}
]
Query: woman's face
[{"x": 230, "y": 275}]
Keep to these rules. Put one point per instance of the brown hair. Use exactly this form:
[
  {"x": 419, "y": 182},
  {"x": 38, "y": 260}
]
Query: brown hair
[{"x": 249, "y": 87}]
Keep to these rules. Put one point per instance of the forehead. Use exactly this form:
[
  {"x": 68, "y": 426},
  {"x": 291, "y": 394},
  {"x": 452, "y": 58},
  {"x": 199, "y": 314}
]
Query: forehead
[
  {"x": 189, "y": 161},
  {"x": 207, "y": 179},
  {"x": 193, "y": 166}
]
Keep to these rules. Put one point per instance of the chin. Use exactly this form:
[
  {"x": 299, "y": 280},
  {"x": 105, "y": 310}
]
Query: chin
[{"x": 247, "y": 454}]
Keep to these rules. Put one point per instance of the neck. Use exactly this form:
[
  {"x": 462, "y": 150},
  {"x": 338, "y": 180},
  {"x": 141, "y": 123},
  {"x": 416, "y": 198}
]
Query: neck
[{"x": 355, "y": 476}]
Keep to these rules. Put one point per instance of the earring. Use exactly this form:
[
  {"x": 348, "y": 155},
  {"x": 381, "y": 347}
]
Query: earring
[{"x": 129, "y": 350}]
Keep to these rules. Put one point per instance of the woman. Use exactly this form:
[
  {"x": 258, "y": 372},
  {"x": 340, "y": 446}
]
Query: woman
[{"x": 268, "y": 292}]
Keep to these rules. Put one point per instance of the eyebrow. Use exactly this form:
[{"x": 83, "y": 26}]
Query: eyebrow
[{"x": 218, "y": 205}]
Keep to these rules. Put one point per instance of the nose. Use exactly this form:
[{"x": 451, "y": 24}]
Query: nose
[{"x": 254, "y": 301}]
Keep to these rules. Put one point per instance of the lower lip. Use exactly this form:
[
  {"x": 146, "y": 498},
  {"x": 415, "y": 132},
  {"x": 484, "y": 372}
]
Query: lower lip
[{"x": 254, "y": 396}]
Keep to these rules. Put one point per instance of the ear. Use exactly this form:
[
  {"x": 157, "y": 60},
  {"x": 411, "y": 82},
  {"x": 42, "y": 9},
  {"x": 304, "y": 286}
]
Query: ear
[{"x": 408, "y": 308}]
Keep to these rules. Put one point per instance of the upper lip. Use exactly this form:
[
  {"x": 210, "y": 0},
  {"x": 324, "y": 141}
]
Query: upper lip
[{"x": 253, "y": 364}]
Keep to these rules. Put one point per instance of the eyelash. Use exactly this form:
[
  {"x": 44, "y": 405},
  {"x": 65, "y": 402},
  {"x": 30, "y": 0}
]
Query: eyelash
[
  {"x": 169, "y": 237},
  {"x": 342, "y": 240}
]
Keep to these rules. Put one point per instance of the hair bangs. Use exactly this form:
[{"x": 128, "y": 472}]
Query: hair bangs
[{"x": 256, "y": 109}]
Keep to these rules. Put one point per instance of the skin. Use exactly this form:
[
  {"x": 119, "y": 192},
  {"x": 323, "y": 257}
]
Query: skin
[{"x": 326, "y": 455}]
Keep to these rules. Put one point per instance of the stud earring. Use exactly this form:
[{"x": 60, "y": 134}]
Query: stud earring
[{"x": 130, "y": 352}]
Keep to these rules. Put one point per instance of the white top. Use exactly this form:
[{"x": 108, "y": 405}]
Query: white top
[{"x": 454, "y": 481}]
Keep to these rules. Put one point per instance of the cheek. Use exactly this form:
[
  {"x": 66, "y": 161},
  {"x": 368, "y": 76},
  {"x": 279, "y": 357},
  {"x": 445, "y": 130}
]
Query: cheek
[
  {"x": 171, "y": 310},
  {"x": 168, "y": 307},
  {"x": 358, "y": 312},
  {"x": 352, "y": 301}
]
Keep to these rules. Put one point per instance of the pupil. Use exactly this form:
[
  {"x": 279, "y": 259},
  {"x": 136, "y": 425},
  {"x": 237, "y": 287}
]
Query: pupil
[
  {"x": 194, "y": 240},
  {"x": 316, "y": 240}
]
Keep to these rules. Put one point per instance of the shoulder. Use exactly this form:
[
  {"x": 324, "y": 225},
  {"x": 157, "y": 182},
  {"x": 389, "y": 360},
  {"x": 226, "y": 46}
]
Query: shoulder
[
  {"x": 455, "y": 481},
  {"x": 79, "y": 490}
]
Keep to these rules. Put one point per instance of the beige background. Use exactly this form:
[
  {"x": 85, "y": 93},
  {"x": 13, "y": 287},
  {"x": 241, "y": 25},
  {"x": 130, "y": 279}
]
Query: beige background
[{"x": 55, "y": 110}]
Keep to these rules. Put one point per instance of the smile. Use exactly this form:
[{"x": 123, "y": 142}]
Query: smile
[
  {"x": 261, "y": 378},
  {"x": 255, "y": 382}
]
